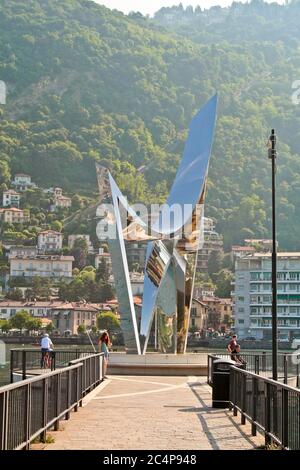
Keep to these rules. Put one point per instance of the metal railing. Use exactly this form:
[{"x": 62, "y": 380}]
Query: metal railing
[
  {"x": 23, "y": 361},
  {"x": 261, "y": 364},
  {"x": 91, "y": 372},
  {"x": 270, "y": 406},
  {"x": 30, "y": 407}
]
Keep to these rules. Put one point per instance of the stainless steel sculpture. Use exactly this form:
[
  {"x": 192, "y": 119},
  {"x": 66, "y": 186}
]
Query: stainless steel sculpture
[{"x": 173, "y": 242}]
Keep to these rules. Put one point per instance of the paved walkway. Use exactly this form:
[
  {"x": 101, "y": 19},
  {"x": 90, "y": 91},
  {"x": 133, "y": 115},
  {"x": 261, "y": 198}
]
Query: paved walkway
[{"x": 152, "y": 413}]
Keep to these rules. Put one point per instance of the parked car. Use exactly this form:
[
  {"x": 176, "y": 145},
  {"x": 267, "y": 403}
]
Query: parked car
[{"x": 250, "y": 338}]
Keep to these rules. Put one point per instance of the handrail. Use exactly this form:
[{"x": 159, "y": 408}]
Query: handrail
[
  {"x": 30, "y": 407},
  {"x": 261, "y": 364},
  {"x": 269, "y": 405}
]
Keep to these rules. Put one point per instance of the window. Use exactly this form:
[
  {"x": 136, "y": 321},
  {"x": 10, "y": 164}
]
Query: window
[
  {"x": 241, "y": 321},
  {"x": 13, "y": 311},
  {"x": 241, "y": 310},
  {"x": 3, "y": 310},
  {"x": 241, "y": 299},
  {"x": 193, "y": 312}
]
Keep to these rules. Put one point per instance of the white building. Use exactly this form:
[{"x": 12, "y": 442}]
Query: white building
[
  {"x": 22, "y": 182},
  {"x": 50, "y": 240},
  {"x": 253, "y": 295},
  {"x": 73, "y": 238},
  {"x": 17, "y": 251},
  {"x": 11, "y": 198},
  {"x": 48, "y": 266}
]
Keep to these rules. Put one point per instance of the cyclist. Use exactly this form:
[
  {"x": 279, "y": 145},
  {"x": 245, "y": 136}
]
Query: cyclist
[{"x": 46, "y": 349}]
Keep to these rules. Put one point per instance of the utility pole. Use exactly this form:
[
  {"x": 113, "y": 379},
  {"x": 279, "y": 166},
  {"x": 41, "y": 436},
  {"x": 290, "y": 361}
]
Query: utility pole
[{"x": 272, "y": 155}]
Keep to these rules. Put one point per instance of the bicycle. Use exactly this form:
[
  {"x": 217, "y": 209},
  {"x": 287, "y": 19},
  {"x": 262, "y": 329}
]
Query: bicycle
[{"x": 47, "y": 360}]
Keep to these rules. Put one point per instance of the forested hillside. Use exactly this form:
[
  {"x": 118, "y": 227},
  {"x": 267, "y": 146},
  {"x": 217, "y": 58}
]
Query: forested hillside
[{"x": 86, "y": 84}]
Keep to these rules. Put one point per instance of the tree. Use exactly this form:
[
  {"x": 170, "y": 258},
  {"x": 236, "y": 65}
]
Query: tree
[
  {"x": 20, "y": 319},
  {"x": 50, "y": 327},
  {"x": 80, "y": 252},
  {"x": 108, "y": 321},
  {"x": 5, "y": 325},
  {"x": 81, "y": 329},
  {"x": 15, "y": 294},
  {"x": 33, "y": 324},
  {"x": 224, "y": 278},
  {"x": 102, "y": 273},
  {"x": 214, "y": 264}
]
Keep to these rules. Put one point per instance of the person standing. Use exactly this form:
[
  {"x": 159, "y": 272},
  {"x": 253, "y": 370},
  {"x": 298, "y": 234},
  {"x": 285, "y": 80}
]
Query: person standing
[
  {"x": 104, "y": 344},
  {"x": 46, "y": 346}
]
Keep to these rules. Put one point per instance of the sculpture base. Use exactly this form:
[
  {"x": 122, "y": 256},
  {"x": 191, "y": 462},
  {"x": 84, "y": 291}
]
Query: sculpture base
[{"x": 158, "y": 364}]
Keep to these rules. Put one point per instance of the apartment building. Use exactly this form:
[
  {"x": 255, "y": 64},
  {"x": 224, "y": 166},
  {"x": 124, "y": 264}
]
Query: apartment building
[
  {"x": 48, "y": 266},
  {"x": 253, "y": 295},
  {"x": 50, "y": 240}
]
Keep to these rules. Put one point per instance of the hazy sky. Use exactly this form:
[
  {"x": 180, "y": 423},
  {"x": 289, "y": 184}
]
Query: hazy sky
[{"x": 151, "y": 6}]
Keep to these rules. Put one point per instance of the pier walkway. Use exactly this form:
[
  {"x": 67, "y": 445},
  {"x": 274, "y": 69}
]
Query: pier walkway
[{"x": 152, "y": 413}]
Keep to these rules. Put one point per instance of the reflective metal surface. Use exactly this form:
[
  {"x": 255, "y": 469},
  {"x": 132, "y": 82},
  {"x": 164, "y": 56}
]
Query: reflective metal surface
[{"x": 173, "y": 243}]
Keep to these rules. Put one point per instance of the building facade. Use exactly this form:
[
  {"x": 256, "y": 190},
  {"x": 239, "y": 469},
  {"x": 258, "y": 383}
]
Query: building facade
[
  {"x": 48, "y": 266},
  {"x": 22, "y": 182},
  {"x": 253, "y": 295},
  {"x": 14, "y": 216},
  {"x": 11, "y": 198},
  {"x": 72, "y": 239},
  {"x": 50, "y": 240},
  {"x": 199, "y": 316},
  {"x": 213, "y": 241}
]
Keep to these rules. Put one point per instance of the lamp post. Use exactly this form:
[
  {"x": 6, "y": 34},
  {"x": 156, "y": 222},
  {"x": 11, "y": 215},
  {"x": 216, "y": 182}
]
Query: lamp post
[{"x": 272, "y": 156}]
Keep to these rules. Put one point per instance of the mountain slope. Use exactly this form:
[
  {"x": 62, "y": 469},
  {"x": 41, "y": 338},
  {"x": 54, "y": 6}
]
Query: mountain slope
[{"x": 86, "y": 84}]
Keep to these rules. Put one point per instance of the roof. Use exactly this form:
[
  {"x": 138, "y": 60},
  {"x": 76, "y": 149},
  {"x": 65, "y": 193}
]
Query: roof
[
  {"x": 200, "y": 303},
  {"x": 49, "y": 231},
  {"x": 11, "y": 191},
  {"x": 44, "y": 257},
  {"x": 22, "y": 174},
  {"x": 12, "y": 209}
]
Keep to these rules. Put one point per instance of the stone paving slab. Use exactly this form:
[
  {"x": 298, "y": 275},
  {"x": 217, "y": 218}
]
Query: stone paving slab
[{"x": 153, "y": 413}]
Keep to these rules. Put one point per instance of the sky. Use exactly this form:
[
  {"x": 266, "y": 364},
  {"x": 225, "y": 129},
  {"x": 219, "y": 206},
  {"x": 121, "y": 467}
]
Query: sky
[{"x": 151, "y": 6}]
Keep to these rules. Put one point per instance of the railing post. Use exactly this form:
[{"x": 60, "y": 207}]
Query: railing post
[
  {"x": 285, "y": 369},
  {"x": 256, "y": 364},
  {"x": 254, "y": 405},
  {"x": 243, "y": 419},
  {"x": 58, "y": 401},
  {"x": 27, "y": 416},
  {"x": 297, "y": 372},
  {"x": 68, "y": 394},
  {"x": 11, "y": 366},
  {"x": 23, "y": 364},
  {"x": 264, "y": 361},
  {"x": 45, "y": 409},
  {"x": 267, "y": 413},
  {"x": 3, "y": 420},
  {"x": 285, "y": 417}
]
